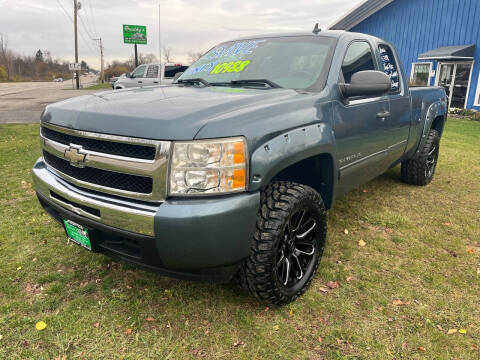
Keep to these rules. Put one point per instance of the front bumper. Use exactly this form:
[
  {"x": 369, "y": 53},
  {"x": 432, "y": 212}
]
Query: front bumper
[{"x": 205, "y": 238}]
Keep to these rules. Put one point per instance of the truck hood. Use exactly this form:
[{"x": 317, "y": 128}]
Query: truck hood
[{"x": 162, "y": 113}]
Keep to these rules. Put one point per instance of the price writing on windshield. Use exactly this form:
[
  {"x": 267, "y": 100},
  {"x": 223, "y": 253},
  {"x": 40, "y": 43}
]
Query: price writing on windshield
[{"x": 229, "y": 67}]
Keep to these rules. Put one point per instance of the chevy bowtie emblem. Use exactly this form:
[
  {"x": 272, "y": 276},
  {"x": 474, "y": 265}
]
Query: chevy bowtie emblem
[{"x": 75, "y": 155}]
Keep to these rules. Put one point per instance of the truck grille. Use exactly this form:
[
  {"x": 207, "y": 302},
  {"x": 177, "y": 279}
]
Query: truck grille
[
  {"x": 107, "y": 147},
  {"x": 118, "y": 165},
  {"x": 114, "y": 180}
]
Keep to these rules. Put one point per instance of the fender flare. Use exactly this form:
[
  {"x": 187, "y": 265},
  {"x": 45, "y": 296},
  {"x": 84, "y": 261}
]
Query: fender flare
[
  {"x": 286, "y": 149},
  {"x": 434, "y": 110}
]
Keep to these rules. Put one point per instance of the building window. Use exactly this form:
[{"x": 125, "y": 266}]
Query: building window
[
  {"x": 476, "y": 102},
  {"x": 420, "y": 75},
  {"x": 390, "y": 66},
  {"x": 358, "y": 57}
]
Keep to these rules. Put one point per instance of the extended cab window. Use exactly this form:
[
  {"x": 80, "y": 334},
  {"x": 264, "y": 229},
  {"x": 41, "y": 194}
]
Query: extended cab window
[
  {"x": 152, "y": 71},
  {"x": 390, "y": 66},
  {"x": 358, "y": 57},
  {"x": 139, "y": 71}
]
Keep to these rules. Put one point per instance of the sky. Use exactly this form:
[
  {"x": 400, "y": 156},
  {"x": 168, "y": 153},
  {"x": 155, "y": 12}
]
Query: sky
[{"x": 186, "y": 25}]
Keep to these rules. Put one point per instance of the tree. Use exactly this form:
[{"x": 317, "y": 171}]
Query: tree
[
  {"x": 194, "y": 55},
  {"x": 39, "y": 56},
  {"x": 3, "y": 73},
  {"x": 6, "y": 56},
  {"x": 142, "y": 59},
  {"x": 167, "y": 54}
]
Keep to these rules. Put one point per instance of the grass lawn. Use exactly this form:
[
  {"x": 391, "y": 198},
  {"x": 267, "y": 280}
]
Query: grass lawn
[
  {"x": 99, "y": 86},
  {"x": 417, "y": 277}
]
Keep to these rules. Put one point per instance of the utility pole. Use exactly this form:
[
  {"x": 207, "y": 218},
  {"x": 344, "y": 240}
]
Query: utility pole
[
  {"x": 136, "y": 55},
  {"x": 102, "y": 73},
  {"x": 75, "y": 11}
]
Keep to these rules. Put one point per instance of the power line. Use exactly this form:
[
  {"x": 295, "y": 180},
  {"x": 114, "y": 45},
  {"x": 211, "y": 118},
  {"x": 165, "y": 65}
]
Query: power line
[
  {"x": 71, "y": 20},
  {"x": 93, "y": 17},
  {"x": 87, "y": 24},
  {"x": 87, "y": 30}
]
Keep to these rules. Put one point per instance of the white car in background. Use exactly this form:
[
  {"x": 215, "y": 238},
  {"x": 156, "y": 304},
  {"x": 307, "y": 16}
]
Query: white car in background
[{"x": 150, "y": 74}]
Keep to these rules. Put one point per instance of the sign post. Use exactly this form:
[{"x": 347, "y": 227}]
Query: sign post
[
  {"x": 135, "y": 34},
  {"x": 74, "y": 68}
]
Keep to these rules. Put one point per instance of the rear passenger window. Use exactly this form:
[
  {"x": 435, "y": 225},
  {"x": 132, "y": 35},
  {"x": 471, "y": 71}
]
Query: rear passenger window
[
  {"x": 152, "y": 71},
  {"x": 390, "y": 66},
  {"x": 359, "y": 57}
]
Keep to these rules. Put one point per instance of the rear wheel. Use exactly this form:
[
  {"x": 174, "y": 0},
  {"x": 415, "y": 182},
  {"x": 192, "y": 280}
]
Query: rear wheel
[
  {"x": 420, "y": 171},
  {"x": 287, "y": 244}
]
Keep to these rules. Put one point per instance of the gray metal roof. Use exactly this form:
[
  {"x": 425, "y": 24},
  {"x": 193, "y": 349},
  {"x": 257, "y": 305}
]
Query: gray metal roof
[
  {"x": 450, "y": 52},
  {"x": 355, "y": 16}
]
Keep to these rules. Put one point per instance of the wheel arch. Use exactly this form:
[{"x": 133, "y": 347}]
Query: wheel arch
[{"x": 304, "y": 155}]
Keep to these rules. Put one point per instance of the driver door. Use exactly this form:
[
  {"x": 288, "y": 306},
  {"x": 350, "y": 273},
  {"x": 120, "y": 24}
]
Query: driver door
[
  {"x": 359, "y": 124},
  {"x": 137, "y": 76}
]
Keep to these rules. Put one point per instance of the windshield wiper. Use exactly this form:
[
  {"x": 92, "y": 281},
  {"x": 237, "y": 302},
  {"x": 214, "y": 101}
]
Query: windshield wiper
[
  {"x": 258, "y": 82},
  {"x": 194, "y": 81},
  {"x": 255, "y": 81}
]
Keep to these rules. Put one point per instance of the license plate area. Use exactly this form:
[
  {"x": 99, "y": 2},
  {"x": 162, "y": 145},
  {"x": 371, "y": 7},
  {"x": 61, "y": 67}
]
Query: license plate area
[{"x": 77, "y": 234}]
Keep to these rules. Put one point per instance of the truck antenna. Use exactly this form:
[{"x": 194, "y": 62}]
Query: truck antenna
[{"x": 316, "y": 29}]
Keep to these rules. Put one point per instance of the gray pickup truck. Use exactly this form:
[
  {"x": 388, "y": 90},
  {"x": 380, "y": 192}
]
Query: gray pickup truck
[{"x": 228, "y": 173}]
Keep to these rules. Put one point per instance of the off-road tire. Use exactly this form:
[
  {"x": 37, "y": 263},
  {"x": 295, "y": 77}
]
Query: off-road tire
[
  {"x": 259, "y": 274},
  {"x": 419, "y": 170}
]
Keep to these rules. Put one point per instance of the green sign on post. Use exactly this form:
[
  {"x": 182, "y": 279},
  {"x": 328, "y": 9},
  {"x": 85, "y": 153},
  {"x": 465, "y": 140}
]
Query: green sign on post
[{"x": 135, "y": 34}]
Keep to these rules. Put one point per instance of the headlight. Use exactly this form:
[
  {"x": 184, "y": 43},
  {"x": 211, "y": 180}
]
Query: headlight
[{"x": 208, "y": 167}]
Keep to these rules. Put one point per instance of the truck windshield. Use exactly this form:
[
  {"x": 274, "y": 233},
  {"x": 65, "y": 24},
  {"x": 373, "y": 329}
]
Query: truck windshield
[{"x": 294, "y": 62}]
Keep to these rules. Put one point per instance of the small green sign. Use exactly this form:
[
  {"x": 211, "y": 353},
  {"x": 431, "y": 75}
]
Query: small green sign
[
  {"x": 77, "y": 234},
  {"x": 135, "y": 34}
]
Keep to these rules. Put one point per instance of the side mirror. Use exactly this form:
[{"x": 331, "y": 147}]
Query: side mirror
[
  {"x": 177, "y": 75},
  {"x": 128, "y": 75},
  {"x": 366, "y": 83}
]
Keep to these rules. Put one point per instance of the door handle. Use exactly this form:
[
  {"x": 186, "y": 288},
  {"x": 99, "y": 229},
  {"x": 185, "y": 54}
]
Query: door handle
[
  {"x": 155, "y": 82},
  {"x": 383, "y": 114},
  {"x": 140, "y": 82}
]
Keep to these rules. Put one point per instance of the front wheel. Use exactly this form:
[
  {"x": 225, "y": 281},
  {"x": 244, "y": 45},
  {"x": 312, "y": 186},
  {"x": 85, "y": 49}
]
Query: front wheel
[
  {"x": 420, "y": 170},
  {"x": 287, "y": 244}
]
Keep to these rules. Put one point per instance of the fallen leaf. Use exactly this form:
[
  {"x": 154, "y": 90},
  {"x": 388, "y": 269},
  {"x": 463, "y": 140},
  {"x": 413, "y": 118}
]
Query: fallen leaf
[
  {"x": 345, "y": 232},
  {"x": 290, "y": 313},
  {"x": 1, "y": 337},
  {"x": 340, "y": 341},
  {"x": 19, "y": 268},
  {"x": 478, "y": 271},
  {"x": 323, "y": 289},
  {"x": 404, "y": 346},
  {"x": 388, "y": 231},
  {"x": 361, "y": 243},
  {"x": 319, "y": 339},
  {"x": 390, "y": 320},
  {"x": 439, "y": 327},
  {"x": 422, "y": 349},
  {"x": 333, "y": 284},
  {"x": 40, "y": 325},
  {"x": 276, "y": 327},
  {"x": 349, "y": 278},
  {"x": 96, "y": 325},
  {"x": 34, "y": 259},
  {"x": 462, "y": 331},
  {"x": 452, "y": 331},
  {"x": 470, "y": 250},
  {"x": 266, "y": 308},
  {"x": 399, "y": 302},
  {"x": 128, "y": 331},
  {"x": 448, "y": 224},
  {"x": 149, "y": 319},
  {"x": 238, "y": 343},
  {"x": 365, "y": 190}
]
